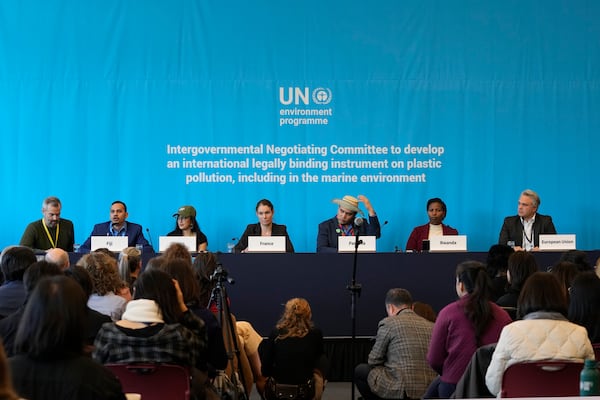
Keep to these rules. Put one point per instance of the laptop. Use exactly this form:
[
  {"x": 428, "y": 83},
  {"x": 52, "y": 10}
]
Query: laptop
[
  {"x": 346, "y": 244},
  {"x": 266, "y": 244},
  {"x": 112, "y": 243},
  {"x": 188, "y": 241}
]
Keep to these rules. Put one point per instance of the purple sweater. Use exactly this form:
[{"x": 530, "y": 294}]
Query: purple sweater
[{"x": 453, "y": 339}]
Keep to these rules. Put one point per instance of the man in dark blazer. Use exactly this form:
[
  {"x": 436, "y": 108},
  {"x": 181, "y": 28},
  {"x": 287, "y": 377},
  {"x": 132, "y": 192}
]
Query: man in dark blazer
[
  {"x": 397, "y": 366},
  {"x": 343, "y": 224},
  {"x": 118, "y": 226},
  {"x": 524, "y": 228}
]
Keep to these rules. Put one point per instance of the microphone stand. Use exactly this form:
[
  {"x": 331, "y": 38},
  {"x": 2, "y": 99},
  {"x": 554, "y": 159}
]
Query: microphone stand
[{"x": 355, "y": 289}]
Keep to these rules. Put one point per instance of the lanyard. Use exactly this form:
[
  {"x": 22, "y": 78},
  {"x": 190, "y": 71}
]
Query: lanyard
[{"x": 54, "y": 242}]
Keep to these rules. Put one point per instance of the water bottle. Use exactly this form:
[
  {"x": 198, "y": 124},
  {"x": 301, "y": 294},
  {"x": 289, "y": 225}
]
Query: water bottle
[{"x": 589, "y": 379}]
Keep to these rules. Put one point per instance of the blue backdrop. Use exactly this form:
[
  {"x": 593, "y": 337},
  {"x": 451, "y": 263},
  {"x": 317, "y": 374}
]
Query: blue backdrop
[{"x": 164, "y": 103}]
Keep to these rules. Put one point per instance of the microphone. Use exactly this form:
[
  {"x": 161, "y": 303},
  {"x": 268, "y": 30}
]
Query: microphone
[
  {"x": 150, "y": 238},
  {"x": 358, "y": 221}
]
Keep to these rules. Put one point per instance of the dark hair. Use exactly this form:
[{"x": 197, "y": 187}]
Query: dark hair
[
  {"x": 119, "y": 202},
  {"x": 565, "y": 272},
  {"x": 436, "y": 200},
  {"x": 82, "y": 277},
  {"x": 424, "y": 310},
  {"x": 157, "y": 285},
  {"x": 521, "y": 265},
  {"x": 585, "y": 302},
  {"x": 497, "y": 259},
  {"x": 195, "y": 226},
  {"x": 398, "y": 297},
  {"x": 53, "y": 324},
  {"x": 541, "y": 292},
  {"x": 183, "y": 273},
  {"x": 204, "y": 266},
  {"x": 265, "y": 202},
  {"x": 155, "y": 263},
  {"x": 7, "y": 392},
  {"x": 473, "y": 276},
  {"x": 37, "y": 271},
  {"x": 577, "y": 257},
  {"x": 15, "y": 261}
]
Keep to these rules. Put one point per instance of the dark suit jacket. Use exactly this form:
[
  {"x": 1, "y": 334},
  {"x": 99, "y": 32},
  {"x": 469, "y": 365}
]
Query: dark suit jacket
[
  {"x": 512, "y": 229},
  {"x": 254, "y": 230},
  {"x": 134, "y": 233},
  {"x": 327, "y": 238},
  {"x": 420, "y": 233}
]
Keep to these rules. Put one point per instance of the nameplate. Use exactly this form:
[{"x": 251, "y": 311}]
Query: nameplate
[
  {"x": 366, "y": 244},
  {"x": 266, "y": 244},
  {"x": 188, "y": 241},
  {"x": 448, "y": 243},
  {"x": 557, "y": 242},
  {"x": 112, "y": 243}
]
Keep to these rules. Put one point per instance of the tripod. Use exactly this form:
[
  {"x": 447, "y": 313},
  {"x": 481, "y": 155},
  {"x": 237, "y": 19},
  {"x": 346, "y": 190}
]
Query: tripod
[
  {"x": 219, "y": 297},
  {"x": 355, "y": 289}
]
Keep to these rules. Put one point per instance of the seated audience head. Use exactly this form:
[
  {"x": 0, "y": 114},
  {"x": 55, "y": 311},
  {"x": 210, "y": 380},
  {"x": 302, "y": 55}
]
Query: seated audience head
[
  {"x": 565, "y": 272},
  {"x": 37, "y": 271},
  {"x": 178, "y": 251},
  {"x": 15, "y": 261},
  {"x": 347, "y": 209},
  {"x": 204, "y": 266},
  {"x": 584, "y": 303},
  {"x": 130, "y": 263},
  {"x": 424, "y": 310},
  {"x": 497, "y": 259},
  {"x": 521, "y": 265},
  {"x": 296, "y": 320},
  {"x": 158, "y": 286},
  {"x": 155, "y": 263},
  {"x": 53, "y": 324},
  {"x": 82, "y": 277},
  {"x": 103, "y": 270},
  {"x": 542, "y": 292},
  {"x": 397, "y": 299},
  {"x": 473, "y": 283},
  {"x": 188, "y": 282},
  {"x": 578, "y": 258},
  {"x": 59, "y": 257},
  {"x": 436, "y": 210}
]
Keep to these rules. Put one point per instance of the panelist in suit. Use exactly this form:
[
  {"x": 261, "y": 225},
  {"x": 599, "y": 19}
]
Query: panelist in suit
[
  {"x": 524, "y": 228},
  {"x": 118, "y": 226},
  {"x": 343, "y": 224},
  {"x": 436, "y": 211},
  {"x": 264, "y": 227},
  {"x": 51, "y": 231}
]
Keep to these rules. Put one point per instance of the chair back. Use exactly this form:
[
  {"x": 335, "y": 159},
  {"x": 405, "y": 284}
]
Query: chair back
[
  {"x": 154, "y": 381},
  {"x": 542, "y": 379}
]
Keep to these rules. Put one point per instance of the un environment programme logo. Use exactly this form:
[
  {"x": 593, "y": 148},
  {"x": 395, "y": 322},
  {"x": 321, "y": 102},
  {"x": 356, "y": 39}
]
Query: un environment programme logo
[{"x": 304, "y": 106}]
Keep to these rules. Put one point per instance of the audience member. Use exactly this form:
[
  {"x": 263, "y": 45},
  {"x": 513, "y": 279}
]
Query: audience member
[
  {"x": 15, "y": 262},
  {"x": 344, "y": 223},
  {"x": 397, "y": 367},
  {"x": 497, "y": 267},
  {"x": 186, "y": 225},
  {"x": 9, "y": 325},
  {"x": 130, "y": 265},
  {"x": 157, "y": 326},
  {"x": 94, "y": 319},
  {"x": 155, "y": 263},
  {"x": 524, "y": 229},
  {"x": 565, "y": 272},
  {"x": 424, "y": 310},
  {"x": 59, "y": 257},
  {"x": 265, "y": 227},
  {"x": 521, "y": 265},
  {"x": 463, "y": 326},
  {"x": 293, "y": 353},
  {"x": 7, "y": 392},
  {"x": 118, "y": 226},
  {"x": 543, "y": 333},
  {"x": 178, "y": 251},
  {"x": 107, "y": 284},
  {"x": 436, "y": 211},
  {"x": 50, "y": 363},
  {"x": 585, "y": 302},
  {"x": 51, "y": 231},
  {"x": 578, "y": 258}
]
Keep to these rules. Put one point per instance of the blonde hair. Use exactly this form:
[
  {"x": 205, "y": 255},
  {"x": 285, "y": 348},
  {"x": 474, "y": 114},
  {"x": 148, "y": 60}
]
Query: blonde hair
[
  {"x": 103, "y": 271},
  {"x": 129, "y": 260},
  {"x": 296, "y": 319}
]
